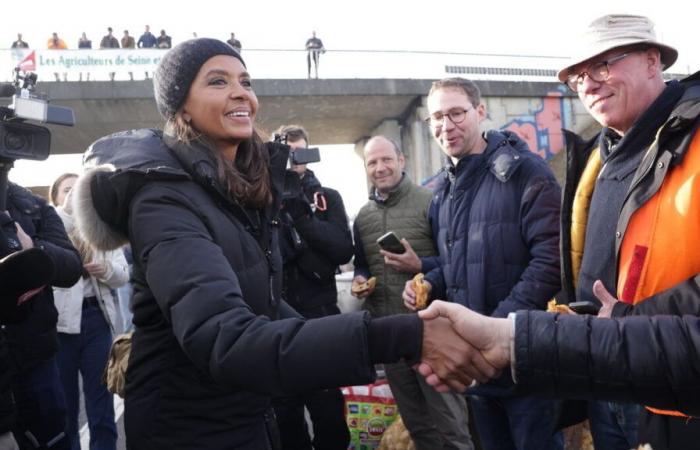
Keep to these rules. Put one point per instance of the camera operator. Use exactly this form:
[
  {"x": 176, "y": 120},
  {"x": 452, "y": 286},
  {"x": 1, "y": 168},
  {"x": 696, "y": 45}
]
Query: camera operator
[
  {"x": 32, "y": 341},
  {"x": 22, "y": 275},
  {"x": 315, "y": 239}
]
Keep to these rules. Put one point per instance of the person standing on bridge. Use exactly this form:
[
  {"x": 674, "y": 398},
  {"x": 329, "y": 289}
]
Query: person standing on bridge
[
  {"x": 84, "y": 44},
  {"x": 199, "y": 203},
  {"x": 108, "y": 42},
  {"x": 147, "y": 40},
  {"x": 235, "y": 43},
  {"x": 56, "y": 43},
  {"x": 128, "y": 42},
  {"x": 19, "y": 43},
  {"x": 314, "y": 48}
]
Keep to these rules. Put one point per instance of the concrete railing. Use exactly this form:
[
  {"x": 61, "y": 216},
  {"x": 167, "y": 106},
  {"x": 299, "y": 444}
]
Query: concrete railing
[{"x": 288, "y": 64}]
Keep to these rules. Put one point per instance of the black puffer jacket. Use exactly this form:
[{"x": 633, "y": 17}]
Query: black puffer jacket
[
  {"x": 35, "y": 339},
  {"x": 650, "y": 360},
  {"x": 314, "y": 244},
  {"x": 206, "y": 354},
  {"x": 7, "y": 408}
]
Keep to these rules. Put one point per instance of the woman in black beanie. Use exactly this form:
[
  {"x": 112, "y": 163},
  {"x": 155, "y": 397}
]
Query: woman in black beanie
[{"x": 198, "y": 205}]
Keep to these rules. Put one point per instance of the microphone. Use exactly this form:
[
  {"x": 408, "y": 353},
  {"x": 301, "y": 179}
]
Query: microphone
[{"x": 7, "y": 90}]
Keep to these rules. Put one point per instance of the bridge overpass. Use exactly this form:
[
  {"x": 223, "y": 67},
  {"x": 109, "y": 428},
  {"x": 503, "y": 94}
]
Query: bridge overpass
[{"x": 335, "y": 111}]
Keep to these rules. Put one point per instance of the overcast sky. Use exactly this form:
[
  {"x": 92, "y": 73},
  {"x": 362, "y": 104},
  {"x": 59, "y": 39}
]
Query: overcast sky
[{"x": 542, "y": 27}]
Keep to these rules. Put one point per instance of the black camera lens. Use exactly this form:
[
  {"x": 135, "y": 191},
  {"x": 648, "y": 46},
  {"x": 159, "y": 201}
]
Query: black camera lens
[
  {"x": 16, "y": 142},
  {"x": 19, "y": 140}
]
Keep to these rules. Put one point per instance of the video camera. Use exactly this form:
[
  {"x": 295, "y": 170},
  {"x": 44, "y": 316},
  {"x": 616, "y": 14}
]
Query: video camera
[
  {"x": 299, "y": 156},
  {"x": 20, "y": 140}
]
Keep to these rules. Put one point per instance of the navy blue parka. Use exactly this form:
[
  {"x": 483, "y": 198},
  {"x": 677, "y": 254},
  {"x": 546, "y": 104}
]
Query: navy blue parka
[{"x": 497, "y": 217}]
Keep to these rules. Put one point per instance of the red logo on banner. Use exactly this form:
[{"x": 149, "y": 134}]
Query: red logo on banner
[{"x": 28, "y": 63}]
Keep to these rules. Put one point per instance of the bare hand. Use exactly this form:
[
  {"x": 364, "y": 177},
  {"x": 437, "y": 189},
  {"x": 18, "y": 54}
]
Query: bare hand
[
  {"x": 407, "y": 261},
  {"x": 488, "y": 335},
  {"x": 96, "y": 269},
  {"x": 449, "y": 355},
  {"x": 359, "y": 279},
  {"x": 605, "y": 298},
  {"x": 23, "y": 237},
  {"x": 409, "y": 295}
]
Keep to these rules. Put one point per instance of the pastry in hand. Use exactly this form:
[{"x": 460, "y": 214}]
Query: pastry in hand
[
  {"x": 359, "y": 288},
  {"x": 561, "y": 309},
  {"x": 421, "y": 290}
]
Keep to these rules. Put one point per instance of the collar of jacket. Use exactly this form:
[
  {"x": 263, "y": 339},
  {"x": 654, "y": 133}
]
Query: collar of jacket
[
  {"x": 503, "y": 155},
  {"x": 395, "y": 194},
  {"x": 684, "y": 120},
  {"x": 197, "y": 160}
]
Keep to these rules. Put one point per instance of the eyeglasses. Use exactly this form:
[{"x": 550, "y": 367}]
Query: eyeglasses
[
  {"x": 456, "y": 115},
  {"x": 598, "y": 72}
]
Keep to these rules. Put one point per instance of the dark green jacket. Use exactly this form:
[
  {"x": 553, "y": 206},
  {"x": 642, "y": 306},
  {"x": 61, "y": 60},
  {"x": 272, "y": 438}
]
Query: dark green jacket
[{"x": 405, "y": 212}]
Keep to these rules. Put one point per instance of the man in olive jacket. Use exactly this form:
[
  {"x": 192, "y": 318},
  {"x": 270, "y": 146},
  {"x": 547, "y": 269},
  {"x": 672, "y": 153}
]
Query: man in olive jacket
[{"x": 396, "y": 204}]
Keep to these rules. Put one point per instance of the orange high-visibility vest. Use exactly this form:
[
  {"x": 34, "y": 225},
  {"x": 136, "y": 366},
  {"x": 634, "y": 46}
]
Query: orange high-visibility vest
[{"x": 660, "y": 245}]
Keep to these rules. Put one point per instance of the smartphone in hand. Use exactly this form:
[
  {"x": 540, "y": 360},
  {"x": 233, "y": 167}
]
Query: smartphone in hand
[
  {"x": 585, "y": 308},
  {"x": 391, "y": 243}
]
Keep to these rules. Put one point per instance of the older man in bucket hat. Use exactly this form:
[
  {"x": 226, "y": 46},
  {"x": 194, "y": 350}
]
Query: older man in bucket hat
[{"x": 631, "y": 209}]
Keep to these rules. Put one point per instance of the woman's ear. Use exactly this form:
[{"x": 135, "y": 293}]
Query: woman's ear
[{"x": 186, "y": 117}]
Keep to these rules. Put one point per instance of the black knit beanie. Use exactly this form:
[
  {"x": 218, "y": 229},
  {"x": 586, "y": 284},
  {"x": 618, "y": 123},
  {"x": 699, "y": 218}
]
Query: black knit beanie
[{"x": 178, "y": 69}]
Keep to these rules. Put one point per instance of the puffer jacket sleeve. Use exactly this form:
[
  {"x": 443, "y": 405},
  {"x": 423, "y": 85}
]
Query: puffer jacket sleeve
[
  {"x": 682, "y": 298},
  {"x": 330, "y": 237},
  {"x": 360, "y": 261},
  {"x": 436, "y": 278},
  {"x": 52, "y": 238},
  {"x": 649, "y": 360},
  {"x": 539, "y": 212},
  {"x": 200, "y": 296}
]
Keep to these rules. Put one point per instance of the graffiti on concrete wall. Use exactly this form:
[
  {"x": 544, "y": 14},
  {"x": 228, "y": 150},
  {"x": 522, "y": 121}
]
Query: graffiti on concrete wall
[{"x": 541, "y": 129}]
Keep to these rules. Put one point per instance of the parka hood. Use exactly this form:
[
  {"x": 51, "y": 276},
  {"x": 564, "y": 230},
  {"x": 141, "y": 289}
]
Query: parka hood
[{"x": 118, "y": 165}]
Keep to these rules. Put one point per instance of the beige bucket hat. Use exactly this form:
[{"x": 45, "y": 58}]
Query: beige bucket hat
[{"x": 614, "y": 31}]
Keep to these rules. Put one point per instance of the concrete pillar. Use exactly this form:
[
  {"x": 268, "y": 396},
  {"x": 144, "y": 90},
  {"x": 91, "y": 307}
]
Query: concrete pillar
[
  {"x": 425, "y": 156},
  {"x": 416, "y": 143}
]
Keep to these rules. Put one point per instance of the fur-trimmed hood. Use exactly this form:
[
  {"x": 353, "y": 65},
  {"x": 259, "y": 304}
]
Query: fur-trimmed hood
[{"x": 118, "y": 165}]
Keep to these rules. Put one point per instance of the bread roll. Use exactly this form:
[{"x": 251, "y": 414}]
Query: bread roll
[
  {"x": 359, "y": 288},
  {"x": 421, "y": 290}
]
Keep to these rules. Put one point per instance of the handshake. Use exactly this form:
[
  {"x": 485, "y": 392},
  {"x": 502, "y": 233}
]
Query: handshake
[{"x": 461, "y": 347}]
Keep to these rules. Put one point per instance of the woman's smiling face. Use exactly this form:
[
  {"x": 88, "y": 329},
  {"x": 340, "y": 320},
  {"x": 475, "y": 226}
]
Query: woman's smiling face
[{"x": 221, "y": 104}]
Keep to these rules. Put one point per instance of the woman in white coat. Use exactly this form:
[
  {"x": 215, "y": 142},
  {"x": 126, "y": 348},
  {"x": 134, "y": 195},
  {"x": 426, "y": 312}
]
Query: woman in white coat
[{"x": 86, "y": 318}]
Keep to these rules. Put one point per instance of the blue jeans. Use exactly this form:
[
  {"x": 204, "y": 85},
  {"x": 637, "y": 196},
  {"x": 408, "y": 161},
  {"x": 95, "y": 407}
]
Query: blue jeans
[
  {"x": 41, "y": 407},
  {"x": 123, "y": 299},
  {"x": 614, "y": 425},
  {"x": 522, "y": 423},
  {"x": 87, "y": 353}
]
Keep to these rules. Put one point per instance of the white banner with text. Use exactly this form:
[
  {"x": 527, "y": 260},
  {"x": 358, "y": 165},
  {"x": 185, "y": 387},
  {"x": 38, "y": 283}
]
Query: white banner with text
[{"x": 72, "y": 63}]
